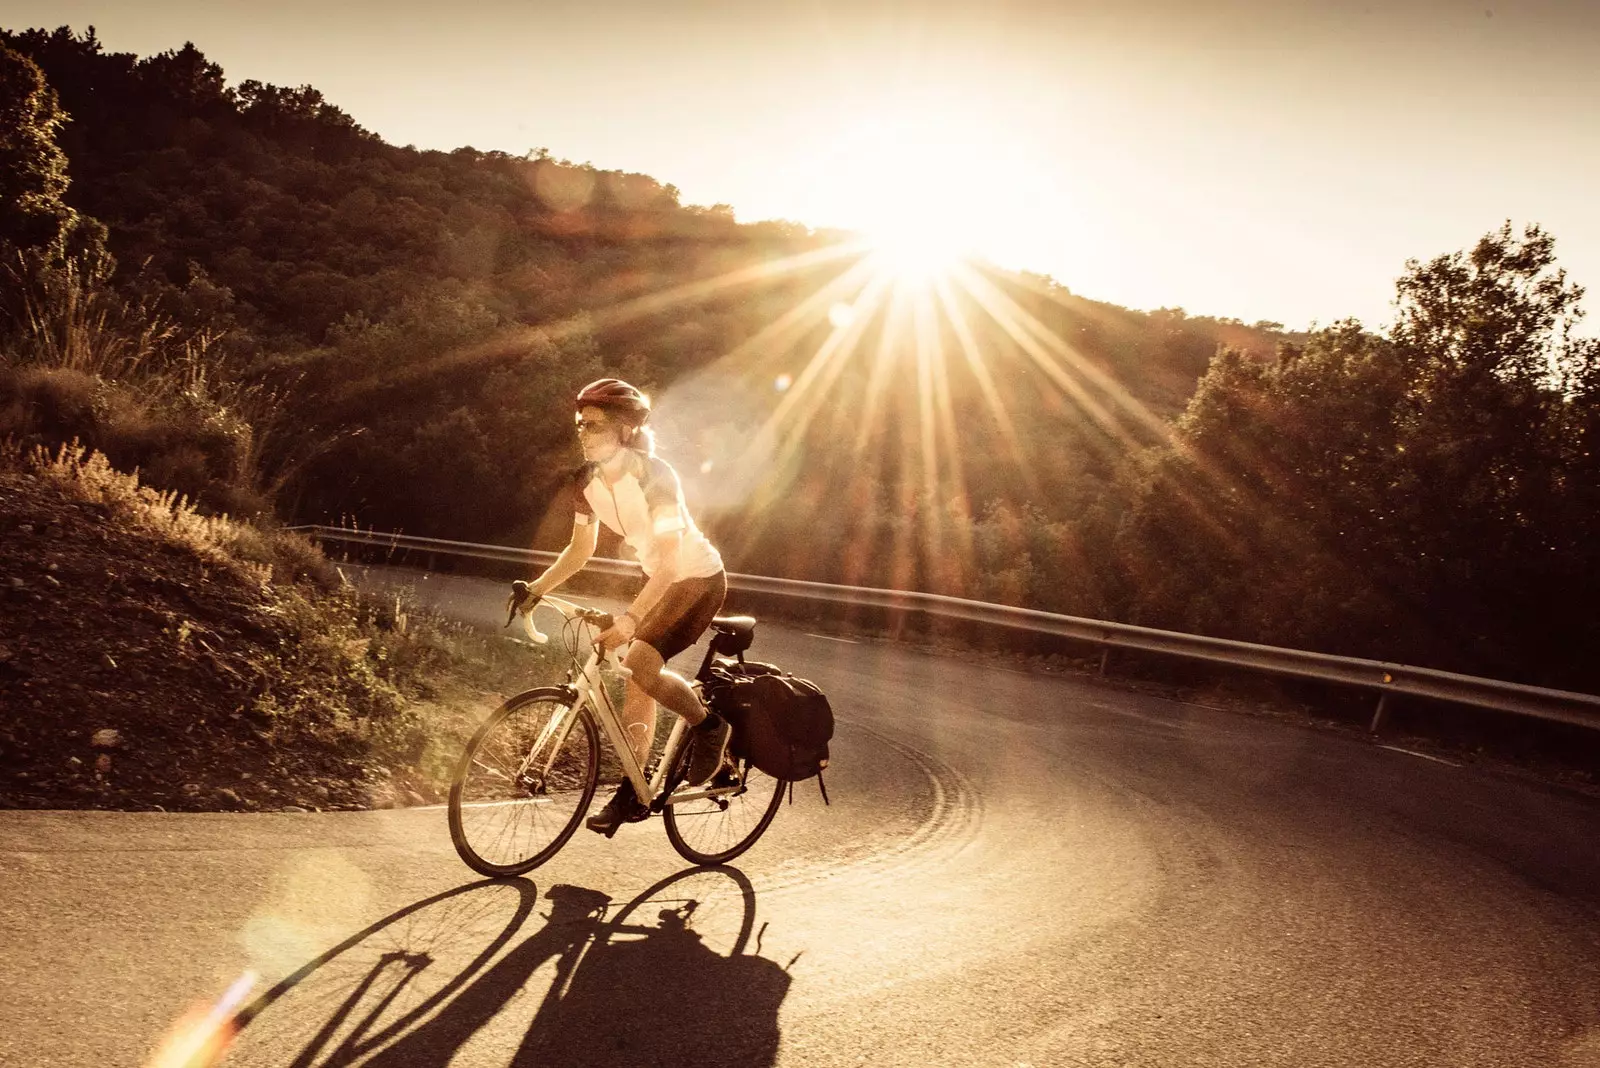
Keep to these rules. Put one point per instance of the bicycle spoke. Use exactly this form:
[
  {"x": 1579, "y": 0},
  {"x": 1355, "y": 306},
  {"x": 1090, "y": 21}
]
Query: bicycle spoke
[{"x": 493, "y": 771}]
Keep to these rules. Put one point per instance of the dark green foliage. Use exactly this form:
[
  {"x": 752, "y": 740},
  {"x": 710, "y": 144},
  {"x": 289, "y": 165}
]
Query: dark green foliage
[
  {"x": 421, "y": 313},
  {"x": 33, "y": 169},
  {"x": 1429, "y": 496},
  {"x": 307, "y": 218}
]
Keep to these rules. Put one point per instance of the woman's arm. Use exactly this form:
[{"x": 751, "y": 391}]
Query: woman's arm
[{"x": 577, "y": 553}]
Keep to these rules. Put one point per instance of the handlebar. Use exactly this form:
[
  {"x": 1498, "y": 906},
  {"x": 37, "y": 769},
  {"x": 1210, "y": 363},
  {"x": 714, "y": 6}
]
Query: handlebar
[{"x": 524, "y": 600}]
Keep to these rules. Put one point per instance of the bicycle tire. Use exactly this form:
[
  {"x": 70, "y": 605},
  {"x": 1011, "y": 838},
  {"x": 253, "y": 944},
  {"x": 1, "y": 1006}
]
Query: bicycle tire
[
  {"x": 695, "y": 826},
  {"x": 480, "y": 825}
]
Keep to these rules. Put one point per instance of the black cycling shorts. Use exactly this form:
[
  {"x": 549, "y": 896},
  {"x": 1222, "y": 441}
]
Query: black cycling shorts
[{"x": 684, "y": 612}]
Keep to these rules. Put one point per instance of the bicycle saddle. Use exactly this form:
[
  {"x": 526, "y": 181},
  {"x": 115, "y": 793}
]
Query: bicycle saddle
[
  {"x": 734, "y": 633},
  {"x": 738, "y": 626}
]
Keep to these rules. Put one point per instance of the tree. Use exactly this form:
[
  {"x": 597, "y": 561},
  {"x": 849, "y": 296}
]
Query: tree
[
  {"x": 33, "y": 169},
  {"x": 1426, "y": 496},
  {"x": 186, "y": 77},
  {"x": 1498, "y": 467},
  {"x": 1504, "y": 310}
]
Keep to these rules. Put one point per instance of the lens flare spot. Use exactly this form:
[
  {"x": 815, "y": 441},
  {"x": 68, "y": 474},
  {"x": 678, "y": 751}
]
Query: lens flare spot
[
  {"x": 783, "y": 382},
  {"x": 202, "y": 1035},
  {"x": 562, "y": 187},
  {"x": 318, "y": 896},
  {"x": 841, "y": 315},
  {"x": 706, "y": 466}
]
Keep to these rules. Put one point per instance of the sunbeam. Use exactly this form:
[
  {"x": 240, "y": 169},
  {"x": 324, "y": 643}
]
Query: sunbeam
[
  {"x": 809, "y": 389},
  {"x": 781, "y": 436},
  {"x": 992, "y": 302},
  {"x": 1011, "y": 315},
  {"x": 781, "y": 334},
  {"x": 519, "y": 338},
  {"x": 693, "y": 292},
  {"x": 980, "y": 373},
  {"x": 884, "y": 363}
]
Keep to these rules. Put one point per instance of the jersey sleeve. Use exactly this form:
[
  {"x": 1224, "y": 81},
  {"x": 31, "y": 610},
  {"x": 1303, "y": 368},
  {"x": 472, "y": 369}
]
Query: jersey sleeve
[
  {"x": 663, "y": 496},
  {"x": 582, "y": 510}
]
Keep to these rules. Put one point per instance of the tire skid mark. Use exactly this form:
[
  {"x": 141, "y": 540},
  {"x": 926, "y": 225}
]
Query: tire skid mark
[{"x": 952, "y": 824}]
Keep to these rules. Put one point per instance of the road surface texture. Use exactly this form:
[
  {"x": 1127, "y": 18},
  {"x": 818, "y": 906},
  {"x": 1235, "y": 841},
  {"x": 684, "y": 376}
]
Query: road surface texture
[{"x": 1016, "y": 869}]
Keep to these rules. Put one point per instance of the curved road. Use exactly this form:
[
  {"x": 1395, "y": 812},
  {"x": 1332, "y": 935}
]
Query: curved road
[{"x": 1016, "y": 870}]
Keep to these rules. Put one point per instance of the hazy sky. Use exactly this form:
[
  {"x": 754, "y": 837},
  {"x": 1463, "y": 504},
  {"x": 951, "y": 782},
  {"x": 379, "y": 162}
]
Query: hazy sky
[{"x": 1261, "y": 160}]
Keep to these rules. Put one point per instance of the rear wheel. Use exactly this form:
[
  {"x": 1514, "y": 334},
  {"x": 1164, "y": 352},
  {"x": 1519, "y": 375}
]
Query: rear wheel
[
  {"x": 714, "y": 830},
  {"x": 524, "y": 781}
]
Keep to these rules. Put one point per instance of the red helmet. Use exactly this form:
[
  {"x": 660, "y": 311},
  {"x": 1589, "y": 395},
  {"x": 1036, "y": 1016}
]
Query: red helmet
[{"x": 614, "y": 395}]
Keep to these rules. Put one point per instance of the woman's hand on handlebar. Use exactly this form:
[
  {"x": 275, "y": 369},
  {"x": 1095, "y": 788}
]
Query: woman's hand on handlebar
[
  {"x": 620, "y": 632},
  {"x": 522, "y": 599}
]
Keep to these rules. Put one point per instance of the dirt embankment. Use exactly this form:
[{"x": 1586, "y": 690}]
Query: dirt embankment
[{"x": 145, "y": 665}]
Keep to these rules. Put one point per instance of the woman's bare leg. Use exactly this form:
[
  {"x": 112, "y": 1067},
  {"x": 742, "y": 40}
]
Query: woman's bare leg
[
  {"x": 638, "y": 721},
  {"x": 649, "y": 673}
]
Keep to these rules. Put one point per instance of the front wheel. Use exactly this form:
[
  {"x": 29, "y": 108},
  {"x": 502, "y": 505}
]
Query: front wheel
[
  {"x": 524, "y": 781},
  {"x": 714, "y": 830}
]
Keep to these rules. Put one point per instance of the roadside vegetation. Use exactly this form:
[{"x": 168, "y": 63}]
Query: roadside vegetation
[{"x": 153, "y": 655}]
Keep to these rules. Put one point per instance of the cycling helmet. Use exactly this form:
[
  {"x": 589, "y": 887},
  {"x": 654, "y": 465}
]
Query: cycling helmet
[{"x": 615, "y": 395}]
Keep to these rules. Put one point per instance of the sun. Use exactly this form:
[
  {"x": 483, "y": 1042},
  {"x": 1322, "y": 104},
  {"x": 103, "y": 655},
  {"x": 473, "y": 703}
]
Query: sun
[
  {"x": 927, "y": 185},
  {"x": 915, "y": 198},
  {"x": 915, "y": 251}
]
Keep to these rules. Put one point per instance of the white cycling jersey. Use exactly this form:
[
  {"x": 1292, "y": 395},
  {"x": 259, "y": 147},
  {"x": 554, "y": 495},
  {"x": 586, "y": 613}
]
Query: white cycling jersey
[{"x": 647, "y": 500}]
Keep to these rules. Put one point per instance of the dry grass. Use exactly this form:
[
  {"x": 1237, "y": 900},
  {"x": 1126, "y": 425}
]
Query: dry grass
[
  {"x": 70, "y": 317},
  {"x": 139, "y": 423},
  {"x": 218, "y": 540},
  {"x": 314, "y": 664},
  {"x": 80, "y": 360}
]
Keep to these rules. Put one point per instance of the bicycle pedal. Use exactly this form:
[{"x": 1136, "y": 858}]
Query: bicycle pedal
[{"x": 607, "y": 829}]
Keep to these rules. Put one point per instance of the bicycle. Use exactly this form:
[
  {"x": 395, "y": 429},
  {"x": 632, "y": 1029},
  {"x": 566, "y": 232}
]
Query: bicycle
[{"x": 528, "y": 775}]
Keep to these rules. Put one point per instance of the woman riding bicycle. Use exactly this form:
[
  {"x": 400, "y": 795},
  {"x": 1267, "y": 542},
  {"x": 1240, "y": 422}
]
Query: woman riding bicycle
[{"x": 630, "y": 490}]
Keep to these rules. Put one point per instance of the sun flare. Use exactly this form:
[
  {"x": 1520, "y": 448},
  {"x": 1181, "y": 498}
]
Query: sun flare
[
  {"x": 928, "y": 184},
  {"x": 915, "y": 254}
]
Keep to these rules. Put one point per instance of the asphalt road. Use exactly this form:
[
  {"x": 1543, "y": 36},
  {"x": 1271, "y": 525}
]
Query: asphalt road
[{"x": 1016, "y": 870}]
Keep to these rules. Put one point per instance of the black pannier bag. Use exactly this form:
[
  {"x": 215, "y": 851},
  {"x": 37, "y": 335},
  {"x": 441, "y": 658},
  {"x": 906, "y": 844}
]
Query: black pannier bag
[{"x": 781, "y": 723}]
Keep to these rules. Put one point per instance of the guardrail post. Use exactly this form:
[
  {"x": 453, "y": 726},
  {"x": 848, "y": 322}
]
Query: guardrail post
[
  {"x": 1105, "y": 658},
  {"x": 1377, "y": 713}
]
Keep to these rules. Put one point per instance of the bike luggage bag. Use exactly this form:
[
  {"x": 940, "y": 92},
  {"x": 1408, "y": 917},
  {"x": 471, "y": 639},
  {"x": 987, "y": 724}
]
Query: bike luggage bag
[{"x": 781, "y": 724}]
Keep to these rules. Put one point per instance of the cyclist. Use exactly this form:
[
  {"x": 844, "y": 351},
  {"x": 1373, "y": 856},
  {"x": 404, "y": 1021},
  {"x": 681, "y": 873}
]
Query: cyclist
[{"x": 626, "y": 487}]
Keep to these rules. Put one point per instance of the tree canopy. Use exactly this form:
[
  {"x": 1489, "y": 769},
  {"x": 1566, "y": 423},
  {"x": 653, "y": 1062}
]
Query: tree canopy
[{"x": 1429, "y": 494}]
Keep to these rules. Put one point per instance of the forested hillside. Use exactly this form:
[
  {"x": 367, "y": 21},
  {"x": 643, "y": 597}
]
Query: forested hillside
[{"x": 282, "y": 311}]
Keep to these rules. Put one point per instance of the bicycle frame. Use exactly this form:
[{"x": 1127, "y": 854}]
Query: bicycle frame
[{"x": 589, "y": 689}]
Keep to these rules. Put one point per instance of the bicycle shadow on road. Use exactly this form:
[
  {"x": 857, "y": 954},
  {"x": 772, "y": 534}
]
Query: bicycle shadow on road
[
  {"x": 655, "y": 990},
  {"x": 647, "y": 985},
  {"x": 388, "y": 977}
]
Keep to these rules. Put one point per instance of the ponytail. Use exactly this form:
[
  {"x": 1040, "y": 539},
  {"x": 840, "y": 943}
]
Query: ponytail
[{"x": 643, "y": 439}]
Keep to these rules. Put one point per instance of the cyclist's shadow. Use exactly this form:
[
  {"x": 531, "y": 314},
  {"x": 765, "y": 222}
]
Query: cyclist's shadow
[{"x": 637, "y": 988}]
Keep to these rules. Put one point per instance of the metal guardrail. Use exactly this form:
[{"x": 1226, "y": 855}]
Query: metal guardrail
[{"x": 1561, "y": 706}]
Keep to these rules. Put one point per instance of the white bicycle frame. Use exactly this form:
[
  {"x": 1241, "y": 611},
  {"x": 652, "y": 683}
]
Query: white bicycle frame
[{"x": 588, "y": 684}]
